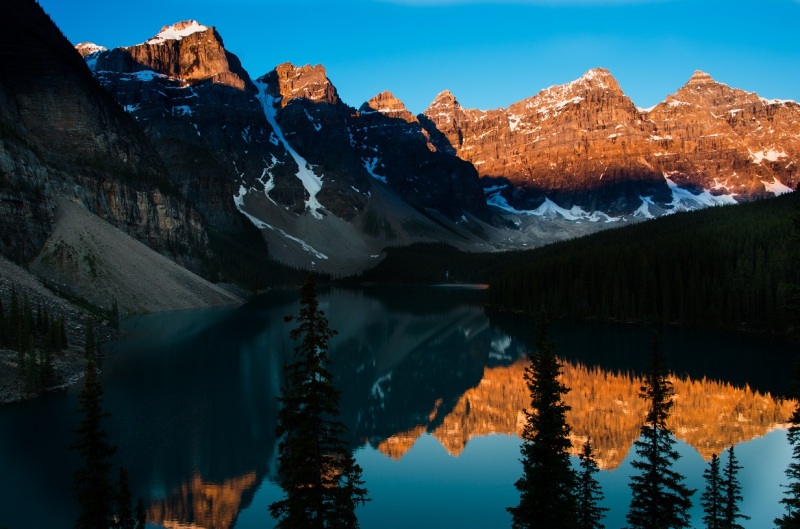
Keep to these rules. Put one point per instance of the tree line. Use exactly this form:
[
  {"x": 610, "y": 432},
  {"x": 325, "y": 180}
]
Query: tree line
[
  {"x": 36, "y": 336},
  {"x": 728, "y": 267}
]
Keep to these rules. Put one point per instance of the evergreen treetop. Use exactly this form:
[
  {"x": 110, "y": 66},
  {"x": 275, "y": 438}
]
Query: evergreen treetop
[
  {"x": 660, "y": 500},
  {"x": 321, "y": 481},
  {"x": 547, "y": 485}
]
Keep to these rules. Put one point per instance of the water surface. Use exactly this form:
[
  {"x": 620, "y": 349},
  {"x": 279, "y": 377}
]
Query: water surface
[{"x": 431, "y": 392}]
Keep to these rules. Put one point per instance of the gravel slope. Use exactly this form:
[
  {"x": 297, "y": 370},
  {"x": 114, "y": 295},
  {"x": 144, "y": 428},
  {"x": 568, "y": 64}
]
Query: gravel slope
[{"x": 91, "y": 259}]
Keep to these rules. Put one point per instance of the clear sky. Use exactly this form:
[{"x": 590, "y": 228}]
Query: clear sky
[{"x": 488, "y": 53}]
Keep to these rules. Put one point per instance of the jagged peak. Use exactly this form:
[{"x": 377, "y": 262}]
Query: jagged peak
[
  {"x": 386, "y": 103},
  {"x": 700, "y": 76},
  {"x": 445, "y": 98},
  {"x": 304, "y": 82},
  {"x": 177, "y": 31},
  {"x": 88, "y": 48}
]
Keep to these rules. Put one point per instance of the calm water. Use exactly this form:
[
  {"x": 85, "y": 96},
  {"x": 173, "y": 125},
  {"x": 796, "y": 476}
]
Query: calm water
[{"x": 430, "y": 386}]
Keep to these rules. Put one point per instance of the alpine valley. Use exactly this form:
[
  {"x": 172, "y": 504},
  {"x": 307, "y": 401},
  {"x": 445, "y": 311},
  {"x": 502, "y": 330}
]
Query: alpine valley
[{"x": 173, "y": 144}]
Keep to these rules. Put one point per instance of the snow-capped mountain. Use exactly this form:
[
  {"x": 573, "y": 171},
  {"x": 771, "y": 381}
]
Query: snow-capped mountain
[
  {"x": 585, "y": 144},
  {"x": 330, "y": 186}
]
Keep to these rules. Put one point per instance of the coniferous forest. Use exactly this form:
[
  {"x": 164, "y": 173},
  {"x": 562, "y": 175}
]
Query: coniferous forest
[{"x": 729, "y": 267}]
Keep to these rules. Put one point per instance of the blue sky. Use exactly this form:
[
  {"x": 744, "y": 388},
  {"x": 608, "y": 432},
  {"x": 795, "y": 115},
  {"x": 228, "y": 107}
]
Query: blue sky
[{"x": 489, "y": 54}]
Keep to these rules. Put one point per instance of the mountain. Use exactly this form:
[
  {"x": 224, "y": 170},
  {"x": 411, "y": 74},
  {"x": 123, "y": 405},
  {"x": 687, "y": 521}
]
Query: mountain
[
  {"x": 330, "y": 186},
  {"x": 63, "y": 139},
  {"x": 287, "y": 152},
  {"x": 585, "y": 144}
]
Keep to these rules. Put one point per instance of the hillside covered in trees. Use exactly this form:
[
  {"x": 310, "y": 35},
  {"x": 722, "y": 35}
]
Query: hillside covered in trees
[{"x": 731, "y": 267}]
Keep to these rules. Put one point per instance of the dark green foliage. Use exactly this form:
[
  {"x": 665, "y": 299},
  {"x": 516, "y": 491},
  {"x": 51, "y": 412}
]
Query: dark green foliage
[
  {"x": 29, "y": 333},
  {"x": 791, "y": 498},
  {"x": 320, "y": 479},
  {"x": 588, "y": 493},
  {"x": 124, "y": 514},
  {"x": 732, "y": 493},
  {"x": 141, "y": 515},
  {"x": 89, "y": 346},
  {"x": 93, "y": 486},
  {"x": 659, "y": 499},
  {"x": 711, "y": 498},
  {"x": 724, "y": 267},
  {"x": 547, "y": 485}
]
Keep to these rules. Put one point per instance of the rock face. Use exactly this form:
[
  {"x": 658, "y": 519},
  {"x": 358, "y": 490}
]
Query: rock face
[
  {"x": 586, "y": 144},
  {"x": 61, "y": 135}
]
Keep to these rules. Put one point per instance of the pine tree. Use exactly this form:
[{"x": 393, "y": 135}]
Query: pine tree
[
  {"x": 732, "y": 493},
  {"x": 124, "y": 513},
  {"x": 791, "y": 499},
  {"x": 92, "y": 480},
  {"x": 711, "y": 499},
  {"x": 88, "y": 346},
  {"x": 660, "y": 500},
  {"x": 141, "y": 515},
  {"x": 588, "y": 493},
  {"x": 320, "y": 479},
  {"x": 547, "y": 484}
]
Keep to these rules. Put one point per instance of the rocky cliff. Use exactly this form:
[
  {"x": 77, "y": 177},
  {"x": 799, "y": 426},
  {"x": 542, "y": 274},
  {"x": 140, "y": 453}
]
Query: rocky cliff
[
  {"x": 586, "y": 144},
  {"x": 62, "y": 135}
]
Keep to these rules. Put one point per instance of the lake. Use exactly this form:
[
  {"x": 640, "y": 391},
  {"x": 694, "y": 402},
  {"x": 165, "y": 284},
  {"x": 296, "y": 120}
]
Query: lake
[{"x": 431, "y": 393}]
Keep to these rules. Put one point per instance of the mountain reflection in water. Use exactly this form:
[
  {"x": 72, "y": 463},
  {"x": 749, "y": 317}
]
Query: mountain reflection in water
[
  {"x": 433, "y": 364},
  {"x": 710, "y": 416},
  {"x": 192, "y": 397}
]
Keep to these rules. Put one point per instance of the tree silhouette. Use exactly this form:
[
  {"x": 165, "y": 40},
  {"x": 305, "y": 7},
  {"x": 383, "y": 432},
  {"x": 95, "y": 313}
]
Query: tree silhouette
[
  {"x": 791, "y": 498},
  {"x": 320, "y": 479},
  {"x": 660, "y": 500},
  {"x": 588, "y": 493},
  {"x": 711, "y": 498},
  {"x": 93, "y": 486},
  {"x": 732, "y": 493},
  {"x": 547, "y": 484}
]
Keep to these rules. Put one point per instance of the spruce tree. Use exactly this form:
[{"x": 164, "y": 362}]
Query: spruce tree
[
  {"x": 93, "y": 486},
  {"x": 547, "y": 485},
  {"x": 88, "y": 346},
  {"x": 660, "y": 500},
  {"x": 124, "y": 512},
  {"x": 791, "y": 498},
  {"x": 711, "y": 498},
  {"x": 588, "y": 493},
  {"x": 732, "y": 493},
  {"x": 141, "y": 515},
  {"x": 320, "y": 479}
]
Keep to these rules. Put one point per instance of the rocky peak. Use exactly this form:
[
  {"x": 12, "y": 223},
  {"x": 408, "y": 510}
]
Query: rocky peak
[
  {"x": 388, "y": 105},
  {"x": 595, "y": 85},
  {"x": 187, "y": 51},
  {"x": 88, "y": 48},
  {"x": 177, "y": 31},
  {"x": 304, "y": 82}
]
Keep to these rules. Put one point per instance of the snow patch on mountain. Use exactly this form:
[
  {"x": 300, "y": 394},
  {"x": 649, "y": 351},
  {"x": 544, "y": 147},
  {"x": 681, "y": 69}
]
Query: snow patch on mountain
[
  {"x": 311, "y": 181},
  {"x": 547, "y": 210},
  {"x": 643, "y": 212},
  {"x": 770, "y": 155},
  {"x": 776, "y": 187},
  {"x": 258, "y": 223},
  {"x": 177, "y": 31},
  {"x": 370, "y": 164},
  {"x": 685, "y": 200}
]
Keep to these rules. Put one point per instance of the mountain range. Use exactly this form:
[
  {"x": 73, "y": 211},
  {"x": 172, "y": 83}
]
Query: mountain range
[{"x": 173, "y": 143}]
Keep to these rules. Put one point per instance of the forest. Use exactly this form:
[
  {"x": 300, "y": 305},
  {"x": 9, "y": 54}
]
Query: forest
[{"x": 724, "y": 267}]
